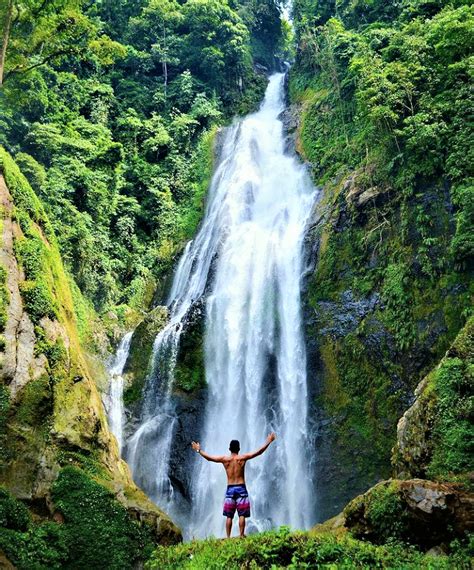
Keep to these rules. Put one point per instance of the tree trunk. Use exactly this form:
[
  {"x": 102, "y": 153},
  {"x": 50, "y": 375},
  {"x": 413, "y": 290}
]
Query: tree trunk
[{"x": 6, "y": 35}]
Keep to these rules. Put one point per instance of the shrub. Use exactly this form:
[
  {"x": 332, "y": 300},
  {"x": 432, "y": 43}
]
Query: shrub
[
  {"x": 13, "y": 514},
  {"x": 453, "y": 430},
  {"x": 38, "y": 300},
  {"x": 281, "y": 549},
  {"x": 98, "y": 530},
  {"x": 384, "y": 511}
]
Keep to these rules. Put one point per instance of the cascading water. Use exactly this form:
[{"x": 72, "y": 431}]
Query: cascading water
[
  {"x": 258, "y": 206},
  {"x": 114, "y": 398}
]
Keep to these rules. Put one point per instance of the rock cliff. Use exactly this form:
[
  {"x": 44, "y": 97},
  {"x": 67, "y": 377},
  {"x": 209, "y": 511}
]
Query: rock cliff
[{"x": 52, "y": 416}]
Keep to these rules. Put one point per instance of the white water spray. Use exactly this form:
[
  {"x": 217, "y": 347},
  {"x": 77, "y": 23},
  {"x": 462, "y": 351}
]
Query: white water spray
[
  {"x": 258, "y": 206},
  {"x": 255, "y": 353},
  {"x": 114, "y": 399}
]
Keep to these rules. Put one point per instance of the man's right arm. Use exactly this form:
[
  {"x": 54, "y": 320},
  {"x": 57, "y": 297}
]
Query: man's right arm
[{"x": 260, "y": 450}]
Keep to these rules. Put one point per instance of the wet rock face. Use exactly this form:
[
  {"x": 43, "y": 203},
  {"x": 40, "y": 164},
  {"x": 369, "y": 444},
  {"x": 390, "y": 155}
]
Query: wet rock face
[
  {"x": 420, "y": 512},
  {"x": 164, "y": 531},
  {"x": 362, "y": 373},
  {"x": 138, "y": 363},
  {"x": 189, "y": 400},
  {"x": 189, "y": 411},
  {"x": 337, "y": 319}
]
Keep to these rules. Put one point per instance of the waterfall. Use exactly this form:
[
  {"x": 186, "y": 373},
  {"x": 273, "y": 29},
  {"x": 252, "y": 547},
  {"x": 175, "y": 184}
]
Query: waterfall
[
  {"x": 252, "y": 235},
  {"x": 114, "y": 398}
]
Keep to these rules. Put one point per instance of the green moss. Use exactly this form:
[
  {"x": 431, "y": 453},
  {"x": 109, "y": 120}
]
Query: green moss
[
  {"x": 26, "y": 201},
  {"x": 87, "y": 320},
  {"x": 385, "y": 512},
  {"x": 35, "y": 406},
  {"x": 95, "y": 524},
  {"x": 41, "y": 547},
  {"x": 13, "y": 514},
  {"x": 38, "y": 300},
  {"x": 189, "y": 374},
  {"x": 453, "y": 431},
  {"x": 30, "y": 253},
  {"x": 141, "y": 348},
  {"x": 89, "y": 462},
  {"x": 397, "y": 296},
  {"x": 4, "y": 409},
  {"x": 55, "y": 352},
  {"x": 357, "y": 389},
  {"x": 97, "y": 531}
]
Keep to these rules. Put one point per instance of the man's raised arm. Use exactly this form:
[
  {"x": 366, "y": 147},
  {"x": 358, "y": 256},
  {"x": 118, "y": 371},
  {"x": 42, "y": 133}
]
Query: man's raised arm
[
  {"x": 197, "y": 447},
  {"x": 259, "y": 451}
]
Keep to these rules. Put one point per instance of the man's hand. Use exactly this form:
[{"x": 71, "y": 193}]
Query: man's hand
[
  {"x": 271, "y": 437},
  {"x": 216, "y": 458}
]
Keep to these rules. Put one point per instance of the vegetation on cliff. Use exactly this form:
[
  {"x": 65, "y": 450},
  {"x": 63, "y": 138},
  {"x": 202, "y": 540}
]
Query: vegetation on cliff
[
  {"x": 436, "y": 433},
  {"x": 110, "y": 110},
  {"x": 383, "y": 92}
]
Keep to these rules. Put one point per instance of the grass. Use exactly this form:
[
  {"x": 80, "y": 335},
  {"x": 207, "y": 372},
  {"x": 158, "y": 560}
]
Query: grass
[{"x": 299, "y": 550}]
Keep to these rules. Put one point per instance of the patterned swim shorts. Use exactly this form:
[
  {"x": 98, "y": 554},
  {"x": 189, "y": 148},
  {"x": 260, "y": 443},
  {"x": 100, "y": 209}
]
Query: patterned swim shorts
[{"x": 236, "y": 499}]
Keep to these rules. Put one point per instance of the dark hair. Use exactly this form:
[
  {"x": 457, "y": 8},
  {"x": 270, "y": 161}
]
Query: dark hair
[{"x": 234, "y": 446}]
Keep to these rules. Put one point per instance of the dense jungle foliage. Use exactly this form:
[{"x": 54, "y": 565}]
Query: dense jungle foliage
[
  {"x": 110, "y": 110},
  {"x": 384, "y": 92}
]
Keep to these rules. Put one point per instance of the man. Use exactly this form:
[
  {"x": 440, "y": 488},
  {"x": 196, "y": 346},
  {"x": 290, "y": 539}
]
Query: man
[{"x": 236, "y": 497}]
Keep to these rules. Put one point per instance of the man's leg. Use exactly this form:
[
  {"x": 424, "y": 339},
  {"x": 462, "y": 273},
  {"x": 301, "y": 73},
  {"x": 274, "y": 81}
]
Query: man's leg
[
  {"x": 242, "y": 526},
  {"x": 228, "y": 526}
]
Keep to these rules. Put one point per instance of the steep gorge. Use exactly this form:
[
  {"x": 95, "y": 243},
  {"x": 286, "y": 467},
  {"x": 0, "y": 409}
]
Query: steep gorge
[{"x": 376, "y": 104}]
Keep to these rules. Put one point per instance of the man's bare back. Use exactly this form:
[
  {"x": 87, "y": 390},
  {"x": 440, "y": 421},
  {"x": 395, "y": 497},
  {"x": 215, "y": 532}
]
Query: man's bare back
[{"x": 234, "y": 465}]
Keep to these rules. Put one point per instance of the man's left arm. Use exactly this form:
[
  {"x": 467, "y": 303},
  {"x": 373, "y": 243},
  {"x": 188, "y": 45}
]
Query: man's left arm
[{"x": 215, "y": 458}]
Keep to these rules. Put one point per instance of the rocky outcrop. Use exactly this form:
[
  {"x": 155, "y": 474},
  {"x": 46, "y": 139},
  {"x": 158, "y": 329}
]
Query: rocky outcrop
[
  {"x": 420, "y": 512},
  {"x": 139, "y": 361},
  {"x": 414, "y": 446},
  {"x": 433, "y": 434},
  {"x": 18, "y": 361},
  {"x": 359, "y": 196}
]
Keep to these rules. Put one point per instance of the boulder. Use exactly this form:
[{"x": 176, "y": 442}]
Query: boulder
[
  {"x": 358, "y": 195},
  {"x": 420, "y": 449},
  {"x": 424, "y": 513}
]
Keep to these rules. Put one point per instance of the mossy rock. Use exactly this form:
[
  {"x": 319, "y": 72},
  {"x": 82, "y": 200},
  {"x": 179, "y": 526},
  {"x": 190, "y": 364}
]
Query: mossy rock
[
  {"x": 419, "y": 512},
  {"x": 138, "y": 363},
  {"x": 90, "y": 528},
  {"x": 434, "y": 434},
  {"x": 189, "y": 373}
]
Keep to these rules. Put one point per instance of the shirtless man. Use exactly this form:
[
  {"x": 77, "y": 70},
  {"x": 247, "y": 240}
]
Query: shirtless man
[{"x": 236, "y": 497}]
